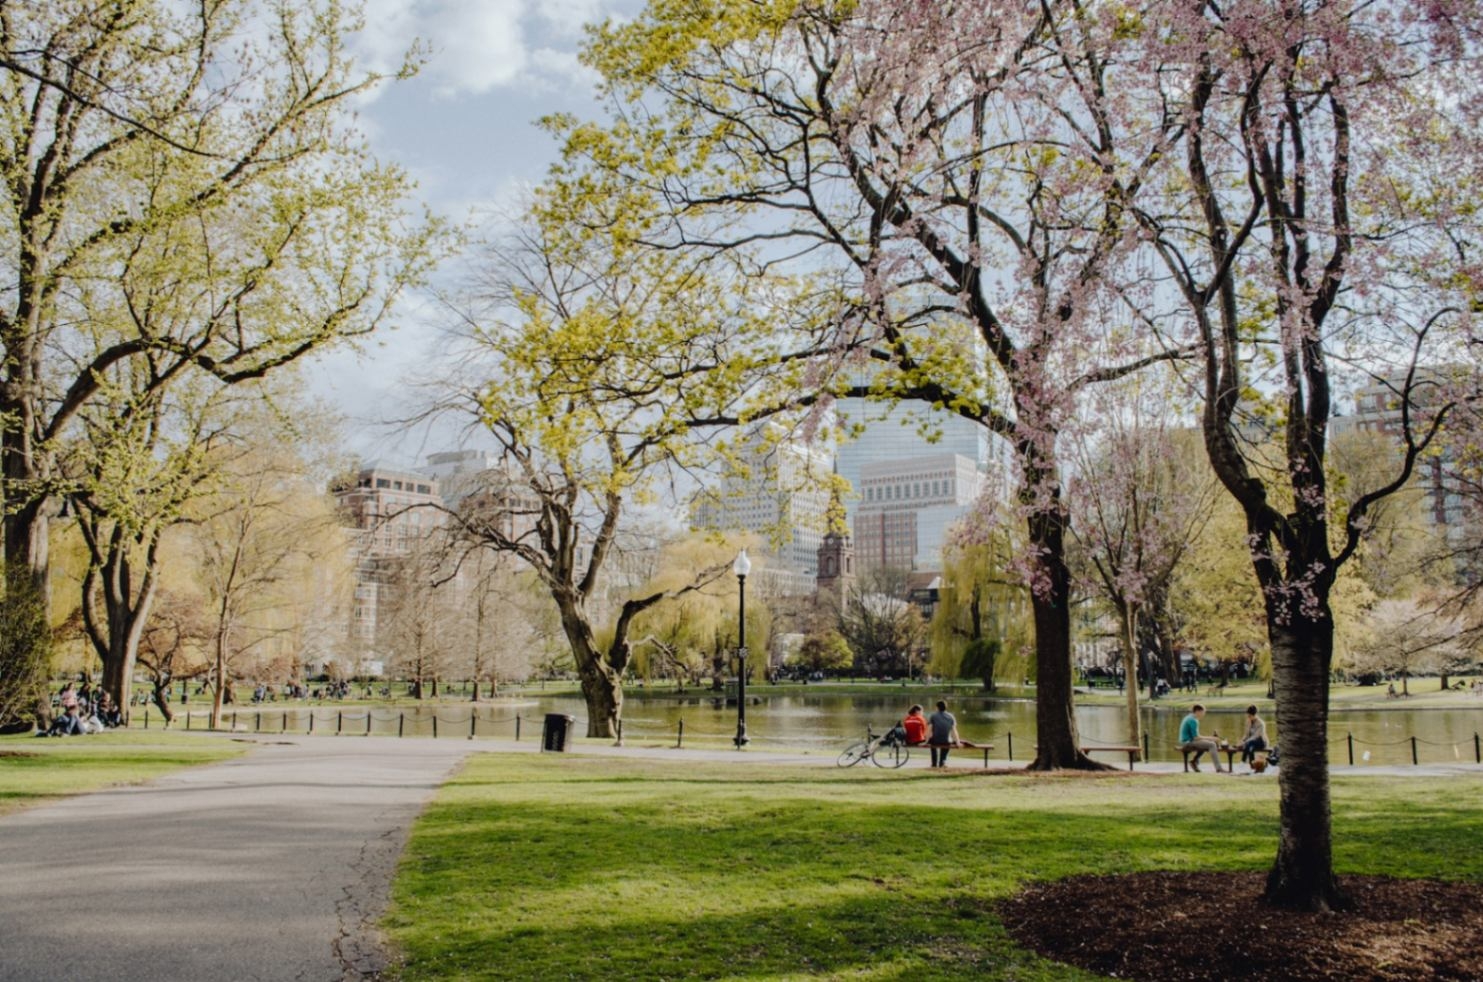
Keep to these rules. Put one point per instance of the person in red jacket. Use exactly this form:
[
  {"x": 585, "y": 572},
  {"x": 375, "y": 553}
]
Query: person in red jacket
[{"x": 915, "y": 726}]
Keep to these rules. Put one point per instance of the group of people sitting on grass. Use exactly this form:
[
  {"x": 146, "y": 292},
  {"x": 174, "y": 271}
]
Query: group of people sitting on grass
[{"x": 80, "y": 711}]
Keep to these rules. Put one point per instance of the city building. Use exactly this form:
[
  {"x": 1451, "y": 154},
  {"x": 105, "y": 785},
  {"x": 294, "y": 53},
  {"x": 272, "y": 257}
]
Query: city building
[
  {"x": 778, "y": 489},
  {"x": 1377, "y": 411},
  {"x": 380, "y": 505},
  {"x": 937, "y": 462},
  {"x": 882, "y": 432},
  {"x": 907, "y": 506}
]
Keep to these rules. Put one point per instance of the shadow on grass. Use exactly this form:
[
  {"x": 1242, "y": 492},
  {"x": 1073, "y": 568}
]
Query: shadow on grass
[{"x": 596, "y": 870}]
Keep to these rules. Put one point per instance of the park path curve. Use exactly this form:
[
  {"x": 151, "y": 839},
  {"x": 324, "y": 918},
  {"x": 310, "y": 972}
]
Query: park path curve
[{"x": 273, "y": 866}]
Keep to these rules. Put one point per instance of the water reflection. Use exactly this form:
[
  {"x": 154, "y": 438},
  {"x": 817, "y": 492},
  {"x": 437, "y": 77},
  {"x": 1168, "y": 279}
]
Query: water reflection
[{"x": 826, "y": 721}]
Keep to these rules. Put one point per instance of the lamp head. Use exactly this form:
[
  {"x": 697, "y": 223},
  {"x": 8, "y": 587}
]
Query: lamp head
[{"x": 743, "y": 565}]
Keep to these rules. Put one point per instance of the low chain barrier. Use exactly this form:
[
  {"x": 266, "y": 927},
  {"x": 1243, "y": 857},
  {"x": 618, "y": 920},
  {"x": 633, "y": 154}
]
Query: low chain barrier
[{"x": 471, "y": 724}]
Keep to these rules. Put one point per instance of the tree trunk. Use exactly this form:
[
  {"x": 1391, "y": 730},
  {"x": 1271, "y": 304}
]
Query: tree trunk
[
  {"x": 602, "y": 685},
  {"x": 127, "y": 617},
  {"x": 1302, "y": 877},
  {"x": 218, "y": 691},
  {"x": 1058, "y": 744},
  {"x": 1128, "y": 614},
  {"x": 604, "y": 696},
  {"x": 162, "y": 700}
]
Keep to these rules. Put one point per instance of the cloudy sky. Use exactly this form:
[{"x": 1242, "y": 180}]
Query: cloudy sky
[{"x": 465, "y": 129}]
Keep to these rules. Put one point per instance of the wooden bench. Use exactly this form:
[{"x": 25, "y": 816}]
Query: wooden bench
[
  {"x": 960, "y": 745},
  {"x": 1230, "y": 750}
]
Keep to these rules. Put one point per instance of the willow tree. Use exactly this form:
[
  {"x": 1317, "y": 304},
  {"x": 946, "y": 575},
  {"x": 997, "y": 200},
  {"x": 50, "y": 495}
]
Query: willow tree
[
  {"x": 1319, "y": 219},
  {"x": 953, "y": 166},
  {"x": 182, "y": 188}
]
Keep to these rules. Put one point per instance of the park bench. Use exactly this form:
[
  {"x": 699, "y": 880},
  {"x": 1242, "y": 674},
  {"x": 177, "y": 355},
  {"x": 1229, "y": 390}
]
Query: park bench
[
  {"x": 960, "y": 745},
  {"x": 1230, "y": 750}
]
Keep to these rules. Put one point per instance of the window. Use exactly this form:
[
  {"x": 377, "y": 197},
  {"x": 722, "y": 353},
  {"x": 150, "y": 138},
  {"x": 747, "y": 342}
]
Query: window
[
  {"x": 397, "y": 485},
  {"x": 382, "y": 482}
]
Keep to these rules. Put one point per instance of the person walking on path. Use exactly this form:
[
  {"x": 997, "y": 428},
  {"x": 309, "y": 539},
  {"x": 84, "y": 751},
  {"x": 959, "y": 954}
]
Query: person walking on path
[
  {"x": 944, "y": 726},
  {"x": 1190, "y": 739}
]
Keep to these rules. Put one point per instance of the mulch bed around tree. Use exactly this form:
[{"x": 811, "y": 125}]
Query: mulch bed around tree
[{"x": 1177, "y": 927}]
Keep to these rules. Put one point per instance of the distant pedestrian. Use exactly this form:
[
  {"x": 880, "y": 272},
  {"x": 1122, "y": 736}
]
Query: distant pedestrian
[{"x": 944, "y": 726}]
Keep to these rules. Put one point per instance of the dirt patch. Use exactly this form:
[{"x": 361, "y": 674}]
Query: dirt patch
[
  {"x": 18, "y": 753},
  {"x": 1181, "y": 927}
]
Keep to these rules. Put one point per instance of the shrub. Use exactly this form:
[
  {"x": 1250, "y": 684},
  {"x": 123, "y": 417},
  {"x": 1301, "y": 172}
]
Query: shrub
[{"x": 25, "y": 647}]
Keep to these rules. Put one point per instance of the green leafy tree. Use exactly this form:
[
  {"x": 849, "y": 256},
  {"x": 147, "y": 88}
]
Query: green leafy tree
[
  {"x": 600, "y": 369},
  {"x": 824, "y": 651},
  {"x": 183, "y": 189}
]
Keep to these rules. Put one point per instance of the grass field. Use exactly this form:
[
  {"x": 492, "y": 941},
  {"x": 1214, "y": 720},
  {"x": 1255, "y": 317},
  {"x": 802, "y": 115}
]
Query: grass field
[
  {"x": 38, "y": 770},
  {"x": 554, "y": 867}
]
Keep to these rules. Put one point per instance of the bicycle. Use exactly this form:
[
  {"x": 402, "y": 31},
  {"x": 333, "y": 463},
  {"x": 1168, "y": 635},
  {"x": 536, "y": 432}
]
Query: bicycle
[{"x": 888, "y": 750}]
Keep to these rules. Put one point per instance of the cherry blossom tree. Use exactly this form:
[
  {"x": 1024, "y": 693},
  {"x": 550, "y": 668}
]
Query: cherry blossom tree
[
  {"x": 953, "y": 168},
  {"x": 1319, "y": 220},
  {"x": 1139, "y": 510}
]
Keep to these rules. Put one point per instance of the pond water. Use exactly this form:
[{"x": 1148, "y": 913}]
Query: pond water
[{"x": 827, "y": 720}]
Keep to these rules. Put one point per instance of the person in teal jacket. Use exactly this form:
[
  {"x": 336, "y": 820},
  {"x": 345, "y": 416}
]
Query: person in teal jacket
[{"x": 1190, "y": 739}]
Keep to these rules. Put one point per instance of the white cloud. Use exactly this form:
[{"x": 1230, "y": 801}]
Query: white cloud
[
  {"x": 475, "y": 46},
  {"x": 480, "y": 45},
  {"x": 566, "y": 17}
]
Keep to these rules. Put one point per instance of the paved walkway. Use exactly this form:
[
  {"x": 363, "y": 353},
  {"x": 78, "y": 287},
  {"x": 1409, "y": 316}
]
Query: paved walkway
[{"x": 272, "y": 866}]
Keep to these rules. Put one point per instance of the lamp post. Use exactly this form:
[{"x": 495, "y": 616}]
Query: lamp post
[{"x": 741, "y": 568}]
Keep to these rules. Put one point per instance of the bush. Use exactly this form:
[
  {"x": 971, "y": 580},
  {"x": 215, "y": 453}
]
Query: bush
[{"x": 25, "y": 647}]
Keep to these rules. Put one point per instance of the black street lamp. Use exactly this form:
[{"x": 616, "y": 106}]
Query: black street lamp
[{"x": 741, "y": 568}]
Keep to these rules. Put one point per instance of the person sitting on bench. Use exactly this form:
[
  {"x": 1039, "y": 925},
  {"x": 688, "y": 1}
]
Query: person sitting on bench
[
  {"x": 944, "y": 734},
  {"x": 1256, "y": 736},
  {"x": 915, "y": 725},
  {"x": 1190, "y": 740}
]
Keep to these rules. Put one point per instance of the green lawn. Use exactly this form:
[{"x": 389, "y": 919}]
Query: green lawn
[
  {"x": 556, "y": 867},
  {"x": 36, "y": 770}
]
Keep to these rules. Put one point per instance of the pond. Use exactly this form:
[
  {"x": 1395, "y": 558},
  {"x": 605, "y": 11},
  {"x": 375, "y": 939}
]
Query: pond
[{"x": 826, "y": 720}]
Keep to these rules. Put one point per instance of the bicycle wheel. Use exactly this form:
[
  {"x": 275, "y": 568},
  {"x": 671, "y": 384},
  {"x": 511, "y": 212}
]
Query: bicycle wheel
[
  {"x": 892, "y": 756},
  {"x": 854, "y": 753}
]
